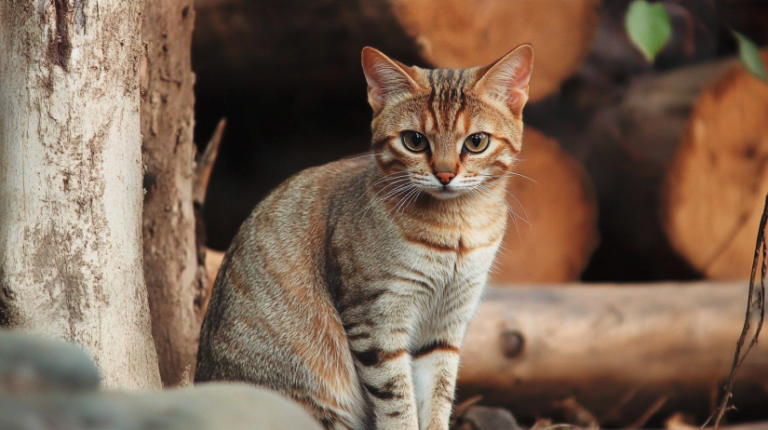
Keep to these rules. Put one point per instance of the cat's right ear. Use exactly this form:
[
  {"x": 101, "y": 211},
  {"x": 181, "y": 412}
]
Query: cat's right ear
[
  {"x": 507, "y": 79},
  {"x": 388, "y": 79}
]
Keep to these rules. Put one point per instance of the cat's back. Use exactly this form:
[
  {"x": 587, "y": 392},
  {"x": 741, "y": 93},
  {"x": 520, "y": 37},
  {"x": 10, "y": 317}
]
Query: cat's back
[
  {"x": 270, "y": 312},
  {"x": 312, "y": 195},
  {"x": 284, "y": 237}
]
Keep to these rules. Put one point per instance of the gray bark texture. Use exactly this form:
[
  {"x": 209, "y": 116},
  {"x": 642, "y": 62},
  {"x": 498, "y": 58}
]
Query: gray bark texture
[
  {"x": 174, "y": 266},
  {"x": 70, "y": 181}
]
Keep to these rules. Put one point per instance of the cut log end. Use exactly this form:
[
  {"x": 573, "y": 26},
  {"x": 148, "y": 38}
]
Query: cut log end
[
  {"x": 718, "y": 180},
  {"x": 457, "y": 33},
  {"x": 554, "y": 231}
]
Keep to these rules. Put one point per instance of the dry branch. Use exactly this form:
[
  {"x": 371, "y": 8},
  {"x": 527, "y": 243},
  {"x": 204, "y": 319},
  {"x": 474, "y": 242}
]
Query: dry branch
[
  {"x": 174, "y": 270},
  {"x": 755, "y": 314},
  {"x": 205, "y": 163}
]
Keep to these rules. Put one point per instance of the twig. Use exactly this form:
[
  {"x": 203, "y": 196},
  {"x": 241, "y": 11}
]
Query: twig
[
  {"x": 205, "y": 164},
  {"x": 755, "y": 306},
  {"x": 461, "y": 408},
  {"x": 649, "y": 413},
  {"x": 615, "y": 411}
]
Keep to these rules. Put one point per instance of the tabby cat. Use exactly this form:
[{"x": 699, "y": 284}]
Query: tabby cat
[{"x": 349, "y": 288}]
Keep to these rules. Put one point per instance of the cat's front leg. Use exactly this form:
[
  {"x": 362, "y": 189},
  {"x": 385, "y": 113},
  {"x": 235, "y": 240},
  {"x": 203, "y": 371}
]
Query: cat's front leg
[
  {"x": 385, "y": 366},
  {"x": 434, "y": 372},
  {"x": 436, "y": 360}
]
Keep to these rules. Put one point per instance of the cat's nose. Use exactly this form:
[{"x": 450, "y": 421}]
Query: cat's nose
[{"x": 445, "y": 177}]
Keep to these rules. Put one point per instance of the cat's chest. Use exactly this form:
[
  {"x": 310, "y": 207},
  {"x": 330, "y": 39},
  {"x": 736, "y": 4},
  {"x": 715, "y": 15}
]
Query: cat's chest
[{"x": 450, "y": 256}]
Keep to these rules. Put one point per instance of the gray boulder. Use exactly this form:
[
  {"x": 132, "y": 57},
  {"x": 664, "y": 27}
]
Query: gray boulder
[
  {"x": 30, "y": 364},
  {"x": 217, "y": 406}
]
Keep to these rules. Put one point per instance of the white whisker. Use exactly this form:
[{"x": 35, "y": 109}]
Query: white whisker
[
  {"x": 509, "y": 175},
  {"x": 514, "y": 197}
]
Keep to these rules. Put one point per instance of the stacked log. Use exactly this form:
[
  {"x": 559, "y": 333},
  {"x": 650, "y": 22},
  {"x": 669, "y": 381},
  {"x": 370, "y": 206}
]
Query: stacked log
[
  {"x": 554, "y": 230},
  {"x": 718, "y": 180},
  {"x": 628, "y": 150}
]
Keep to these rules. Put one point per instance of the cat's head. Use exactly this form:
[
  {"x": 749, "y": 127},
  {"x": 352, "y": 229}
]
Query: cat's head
[{"x": 447, "y": 130}]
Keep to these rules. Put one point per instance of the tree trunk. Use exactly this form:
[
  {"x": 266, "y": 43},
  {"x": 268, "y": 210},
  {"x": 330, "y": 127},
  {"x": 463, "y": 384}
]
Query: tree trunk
[
  {"x": 173, "y": 267},
  {"x": 717, "y": 183},
  {"x": 70, "y": 181},
  {"x": 555, "y": 230},
  {"x": 616, "y": 348},
  {"x": 270, "y": 47}
]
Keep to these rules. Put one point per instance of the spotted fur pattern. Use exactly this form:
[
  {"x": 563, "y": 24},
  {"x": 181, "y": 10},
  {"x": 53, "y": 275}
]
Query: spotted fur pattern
[{"x": 350, "y": 287}]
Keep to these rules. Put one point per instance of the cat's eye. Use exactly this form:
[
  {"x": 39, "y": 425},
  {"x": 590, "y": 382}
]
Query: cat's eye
[
  {"x": 477, "y": 142},
  {"x": 414, "y": 141}
]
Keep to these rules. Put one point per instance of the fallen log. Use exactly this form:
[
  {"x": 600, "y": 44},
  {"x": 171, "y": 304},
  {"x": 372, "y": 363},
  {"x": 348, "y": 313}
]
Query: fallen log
[
  {"x": 554, "y": 231},
  {"x": 716, "y": 184},
  {"x": 270, "y": 47},
  {"x": 617, "y": 350}
]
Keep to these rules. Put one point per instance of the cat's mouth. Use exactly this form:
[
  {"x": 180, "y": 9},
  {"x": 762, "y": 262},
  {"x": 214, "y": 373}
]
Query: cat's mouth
[
  {"x": 440, "y": 191},
  {"x": 445, "y": 192}
]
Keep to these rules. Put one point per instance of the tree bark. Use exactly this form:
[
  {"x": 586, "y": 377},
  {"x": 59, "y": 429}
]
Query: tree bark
[
  {"x": 714, "y": 190},
  {"x": 299, "y": 47},
  {"x": 616, "y": 348},
  {"x": 70, "y": 181},
  {"x": 555, "y": 230},
  {"x": 173, "y": 267}
]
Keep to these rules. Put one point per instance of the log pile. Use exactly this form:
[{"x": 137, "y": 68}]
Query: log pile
[
  {"x": 629, "y": 149},
  {"x": 269, "y": 47}
]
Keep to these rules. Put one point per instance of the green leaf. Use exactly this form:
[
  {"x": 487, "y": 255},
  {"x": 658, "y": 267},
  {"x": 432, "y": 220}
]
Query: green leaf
[
  {"x": 648, "y": 27},
  {"x": 750, "y": 56}
]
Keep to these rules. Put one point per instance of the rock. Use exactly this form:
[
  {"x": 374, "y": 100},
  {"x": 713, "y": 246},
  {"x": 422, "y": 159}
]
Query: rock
[
  {"x": 485, "y": 418},
  {"x": 220, "y": 406},
  {"x": 30, "y": 364}
]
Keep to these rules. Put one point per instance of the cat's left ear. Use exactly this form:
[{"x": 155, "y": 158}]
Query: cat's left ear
[{"x": 507, "y": 79}]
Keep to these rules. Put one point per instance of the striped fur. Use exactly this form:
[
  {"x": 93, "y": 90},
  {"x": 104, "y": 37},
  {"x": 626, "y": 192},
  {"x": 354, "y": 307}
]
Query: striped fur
[{"x": 350, "y": 287}]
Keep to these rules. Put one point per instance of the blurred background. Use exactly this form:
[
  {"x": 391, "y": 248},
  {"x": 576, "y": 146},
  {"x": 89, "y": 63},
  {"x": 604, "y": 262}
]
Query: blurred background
[
  {"x": 608, "y": 124},
  {"x": 637, "y": 170}
]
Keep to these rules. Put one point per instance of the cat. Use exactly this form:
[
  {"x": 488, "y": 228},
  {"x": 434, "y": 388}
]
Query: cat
[{"x": 349, "y": 288}]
